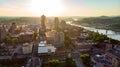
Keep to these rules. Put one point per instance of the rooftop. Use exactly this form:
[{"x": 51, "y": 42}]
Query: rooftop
[
  {"x": 86, "y": 43},
  {"x": 42, "y": 43},
  {"x": 26, "y": 32},
  {"x": 46, "y": 49},
  {"x": 116, "y": 53}
]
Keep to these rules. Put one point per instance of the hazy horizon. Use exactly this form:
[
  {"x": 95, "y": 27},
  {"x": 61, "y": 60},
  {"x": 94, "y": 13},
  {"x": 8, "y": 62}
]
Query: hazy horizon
[{"x": 35, "y": 8}]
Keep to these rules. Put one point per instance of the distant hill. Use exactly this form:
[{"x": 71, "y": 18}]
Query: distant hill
[
  {"x": 19, "y": 20},
  {"x": 112, "y": 23}
]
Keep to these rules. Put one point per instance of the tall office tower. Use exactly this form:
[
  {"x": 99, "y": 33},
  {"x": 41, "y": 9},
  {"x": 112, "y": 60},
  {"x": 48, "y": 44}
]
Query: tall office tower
[
  {"x": 59, "y": 38},
  {"x": 43, "y": 27},
  {"x": 43, "y": 21},
  {"x": 12, "y": 28},
  {"x": 62, "y": 25},
  {"x": 3, "y": 33},
  {"x": 56, "y": 24}
]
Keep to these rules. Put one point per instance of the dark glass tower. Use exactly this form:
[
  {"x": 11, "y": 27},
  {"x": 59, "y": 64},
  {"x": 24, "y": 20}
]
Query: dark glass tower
[
  {"x": 56, "y": 23},
  {"x": 42, "y": 28},
  {"x": 43, "y": 21}
]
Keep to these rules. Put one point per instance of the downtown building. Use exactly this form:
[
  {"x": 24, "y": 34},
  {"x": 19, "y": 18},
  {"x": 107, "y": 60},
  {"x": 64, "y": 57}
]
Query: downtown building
[
  {"x": 12, "y": 29},
  {"x": 113, "y": 55},
  {"x": 42, "y": 29},
  {"x": 58, "y": 34},
  {"x": 43, "y": 47},
  {"x": 3, "y": 33}
]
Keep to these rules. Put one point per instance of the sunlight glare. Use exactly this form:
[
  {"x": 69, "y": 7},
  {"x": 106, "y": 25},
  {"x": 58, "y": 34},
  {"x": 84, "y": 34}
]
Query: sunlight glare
[{"x": 47, "y": 7}]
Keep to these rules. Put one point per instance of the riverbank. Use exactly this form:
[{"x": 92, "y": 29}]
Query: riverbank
[
  {"x": 109, "y": 23},
  {"x": 99, "y": 26},
  {"x": 109, "y": 33}
]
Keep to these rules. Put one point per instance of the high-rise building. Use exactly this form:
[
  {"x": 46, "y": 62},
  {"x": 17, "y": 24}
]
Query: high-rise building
[
  {"x": 42, "y": 29},
  {"x": 12, "y": 28},
  {"x": 56, "y": 23},
  {"x": 3, "y": 33},
  {"x": 43, "y": 21},
  {"x": 62, "y": 25},
  {"x": 59, "y": 38},
  {"x": 56, "y": 38}
]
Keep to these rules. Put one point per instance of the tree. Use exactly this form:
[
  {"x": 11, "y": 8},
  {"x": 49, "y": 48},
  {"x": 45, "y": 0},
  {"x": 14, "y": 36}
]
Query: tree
[
  {"x": 35, "y": 35},
  {"x": 15, "y": 40},
  {"x": 0, "y": 65},
  {"x": 8, "y": 39},
  {"x": 69, "y": 62},
  {"x": 67, "y": 41},
  {"x": 52, "y": 63},
  {"x": 114, "y": 41},
  {"x": 97, "y": 37},
  {"x": 15, "y": 65},
  {"x": 86, "y": 59}
]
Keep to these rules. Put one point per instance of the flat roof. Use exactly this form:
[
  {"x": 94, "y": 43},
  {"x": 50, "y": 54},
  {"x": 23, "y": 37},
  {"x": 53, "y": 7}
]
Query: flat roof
[
  {"x": 42, "y": 43},
  {"x": 86, "y": 43},
  {"x": 46, "y": 49}
]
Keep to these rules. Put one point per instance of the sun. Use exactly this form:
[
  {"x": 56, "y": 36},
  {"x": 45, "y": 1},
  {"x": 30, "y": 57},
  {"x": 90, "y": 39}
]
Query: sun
[{"x": 47, "y": 7}]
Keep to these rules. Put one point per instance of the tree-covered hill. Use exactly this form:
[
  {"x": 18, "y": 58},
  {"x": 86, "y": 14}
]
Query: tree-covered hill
[{"x": 112, "y": 23}]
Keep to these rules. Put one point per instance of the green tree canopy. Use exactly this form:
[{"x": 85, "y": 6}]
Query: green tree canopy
[
  {"x": 86, "y": 59},
  {"x": 52, "y": 63},
  {"x": 69, "y": 62}
]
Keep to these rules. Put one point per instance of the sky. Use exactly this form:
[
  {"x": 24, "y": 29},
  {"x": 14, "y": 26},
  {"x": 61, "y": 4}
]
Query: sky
[{"x": 60, "y": 7}]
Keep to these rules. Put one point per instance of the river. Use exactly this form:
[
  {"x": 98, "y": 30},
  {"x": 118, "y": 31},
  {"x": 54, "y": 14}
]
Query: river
[{"x": 109, "y": 33}]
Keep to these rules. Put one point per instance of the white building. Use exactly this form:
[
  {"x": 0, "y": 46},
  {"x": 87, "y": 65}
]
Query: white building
[{"x": 45, "y": 49}]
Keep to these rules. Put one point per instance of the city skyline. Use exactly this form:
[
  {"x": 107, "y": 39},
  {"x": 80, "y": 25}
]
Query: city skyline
[{"x": 59, "y": 7}]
